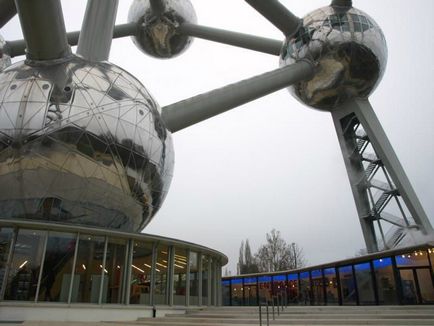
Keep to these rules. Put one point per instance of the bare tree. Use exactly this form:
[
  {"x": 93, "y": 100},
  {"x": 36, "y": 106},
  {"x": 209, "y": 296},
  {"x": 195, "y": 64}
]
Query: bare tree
[
  {"x": 276, "y": 255},
  {"x": 246, "y": 262}
]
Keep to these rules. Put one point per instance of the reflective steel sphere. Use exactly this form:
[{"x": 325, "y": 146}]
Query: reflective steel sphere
[
  {"x": 157, "y": 34},
  {"x": 81, "y": 143},
  {"x": 5, "y": 59},
  {"x": 349, "y": 49}
]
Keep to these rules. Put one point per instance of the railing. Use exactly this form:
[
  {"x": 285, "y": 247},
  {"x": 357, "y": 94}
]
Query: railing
[{"x": 277, "y": 301}]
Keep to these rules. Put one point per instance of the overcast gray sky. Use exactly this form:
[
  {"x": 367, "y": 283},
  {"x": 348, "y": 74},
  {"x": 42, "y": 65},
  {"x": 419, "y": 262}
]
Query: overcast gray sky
[{"x": 274, "y": 163}]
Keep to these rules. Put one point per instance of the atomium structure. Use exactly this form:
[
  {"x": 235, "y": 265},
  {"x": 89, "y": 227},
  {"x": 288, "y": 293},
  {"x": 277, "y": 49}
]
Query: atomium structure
[{"x": 83, "y": 142}]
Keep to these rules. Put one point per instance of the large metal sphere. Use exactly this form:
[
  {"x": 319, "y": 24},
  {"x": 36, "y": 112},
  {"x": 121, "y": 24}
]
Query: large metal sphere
[
  {"x": 157, "y": 34},
  {"x": 351, "y": 53},
  {"x": 5, "y": 59},
  {"x": 81, "y": 143}
]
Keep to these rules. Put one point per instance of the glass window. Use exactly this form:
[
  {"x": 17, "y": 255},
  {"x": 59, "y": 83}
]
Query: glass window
[
  {"x": 179, "y": 276},
  {"x": 348, "y": 288},
  {"x": 331, "y": 284},
  {"x": 226, "y": 293},
  {"x": 6, "y": 235},
  {"x": 279, "y": 286},
  {"x": 305, "y": 292},
  {"x": 293, "y": 294},
  {"x": 431, "y": 257},
  {"x": 412, "y": 259},
  {"x": 365, "y": 285},
  {"x": 237, "y": 291},
  {"x": 385, "y": 281},
  {"x": 115, "y": 269},
  {"x": 194, "y": 280},
  {"x": 408, "y": 285},
  {"x": 88, "y": 269},
  {"x": 425, "y": 285},
  {"x": 205, "y": 273},
  {"x": 317, "y": 287},
  {"x": 25, "y": 266},
  {"x": 250, "y": 291},
  {"x": 265, "y": 292},
  {"x": 141, "y": 273},
  {"x": 57, "y": 268},
  {"x": 161, "y": 275}
]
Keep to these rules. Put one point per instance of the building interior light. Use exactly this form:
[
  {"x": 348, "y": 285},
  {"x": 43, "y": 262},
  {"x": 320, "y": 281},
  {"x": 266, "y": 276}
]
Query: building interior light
[
  {"x": 158, "y": 270},
  {"x": 139, "y": 269},
  {"x": 161, "y": 265},
  {"x": 147, "y": 265},
  {"x": 179, "y": 266},
  {"x": 100, "y": 266},
  {"x": 23, "y": 264},
  {"x": 119, "y": 267},
  {"x": 84, "y": 266}
]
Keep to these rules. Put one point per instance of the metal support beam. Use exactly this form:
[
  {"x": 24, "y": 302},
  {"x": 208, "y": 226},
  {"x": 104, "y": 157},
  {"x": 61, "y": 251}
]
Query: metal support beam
[
  {"x": 18, "y": 47},
  {"x": 7, "y": 11},
  {"x": 186, "y": 113},
  {"x": 398, "y": 185},
  {"x": 251, "y": 42},
  {"x": 278, "y": 15},
  {"x": 97, "y": 30},
  {"x": 43, "y": 29}
]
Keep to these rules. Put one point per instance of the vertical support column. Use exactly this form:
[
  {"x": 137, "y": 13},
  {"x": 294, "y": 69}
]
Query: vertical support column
[
  {"x": 187, "y": 280},
  {"x": 104, "y": 260},
  {"x": 200, "y": 270},
  {"x": 97, "y": 30},
  {"x": 125, "y": 282},
  {"x": 170, "y": 270},
  {"x": 209, "y": 283},
  {"x": 8, "y": 264},
  {"x": 74, "y": 262},
  {"x": 153, "y": 267},
  {"x": 41, "y": 268},
  {"x": 128, "y": 276}
]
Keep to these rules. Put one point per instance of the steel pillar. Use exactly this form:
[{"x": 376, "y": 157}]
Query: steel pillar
[{"x": 389, "y": 210}]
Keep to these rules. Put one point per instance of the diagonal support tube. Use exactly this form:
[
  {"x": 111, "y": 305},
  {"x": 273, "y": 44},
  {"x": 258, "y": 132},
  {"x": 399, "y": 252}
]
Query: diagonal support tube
[
  {"x": 7, "y": 11},
  {"x": 43, "y": 29},
  {"x": 277, "y": 14},
  {"x": 158, "y": 6},
  {"x": 186, "y": 113},
  {"x": 342, "y": 3},
  {"x": 251, "y": 42},
  {"x": 96, "y": 34}
]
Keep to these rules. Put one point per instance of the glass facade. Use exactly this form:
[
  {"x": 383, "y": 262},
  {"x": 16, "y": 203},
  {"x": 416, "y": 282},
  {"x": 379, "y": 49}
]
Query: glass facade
[
  {"x": 65, "y": 265},
  {"x": 404, "y": 277}
]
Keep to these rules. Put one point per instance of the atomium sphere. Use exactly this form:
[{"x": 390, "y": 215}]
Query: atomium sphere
[
  {"x": 350, "y": 52},
  {"x": 5, "y": 59},
  {"x": 81, "y": 143},
  {"x": 157, "y": 35}
]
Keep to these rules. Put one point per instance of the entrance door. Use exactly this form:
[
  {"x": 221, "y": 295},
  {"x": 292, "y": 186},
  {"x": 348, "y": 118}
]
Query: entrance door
[
  {"x": 250, "y": 295},
  {"x": 417, "y": 286}
]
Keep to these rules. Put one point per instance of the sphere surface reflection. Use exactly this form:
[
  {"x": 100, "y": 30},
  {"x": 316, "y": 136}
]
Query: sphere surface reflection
[
  {"x": 350, "y": 50},
  {"x": 157, "y": 34},
  {"x": 81, "y": 143},
  {"x": 5, "y": 59}
]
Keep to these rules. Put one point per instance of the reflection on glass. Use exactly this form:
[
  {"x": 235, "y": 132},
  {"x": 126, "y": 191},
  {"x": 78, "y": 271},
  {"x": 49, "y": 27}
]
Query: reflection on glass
[
  {"x": 250, "y": 291},
  {"x": 6, "y": 235},
  {"x": 365, "y": 285},
  {"x": 385, "y": 281},
  {"x": 425, "y": 285},
  {"x": 293, "y": 293},
  {"x": 305, "y": 292},
  {"x": 348, "y": 288},
  {"x": 179, "y": 276},
  {"x": 114, "y": 271},
  {"x": 141, "y": 273},
  {"x": 265, "y": 292},
  {"x": 194, "y": 280},
  {"x": 237, "y": 292},
  {"x": 279, "y": 286},
  {"x": 317, "y": 287},
  {"x": 25, "y": 266},
  {"x": 408, "y": 285},
  {"x": 226, "y": 293},
  {"x": 416, "y": 258},
  {"x": 331, "y": 284},
  {"x": 57, "y": 268},
  {"x": 205, "y": 273},
  {"x": 161, "y": 277},
  {"x": 88, "y": 270}
]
